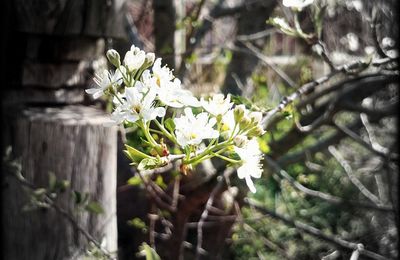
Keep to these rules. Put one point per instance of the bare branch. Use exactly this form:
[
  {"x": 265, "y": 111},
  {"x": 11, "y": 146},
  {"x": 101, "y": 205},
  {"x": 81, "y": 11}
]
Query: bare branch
[
  {"x": 321, "y": 195},
  {"x": 204, "y": 215},
  {"x": 375, "y": 145},
  {"x": 347, "y": 168},
  {"x": 267, "y": 61},
  {"x": 309, "y": 87},
  {"x": 335, "y": 240},
  {"x": 271, "y": 245},
  {"x": 14, "y": 171},
  {"x": 358, "y": 139}
]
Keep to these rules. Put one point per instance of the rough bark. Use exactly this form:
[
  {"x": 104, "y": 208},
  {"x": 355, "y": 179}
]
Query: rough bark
[
  {"x": 48, "y": 55},
  {"x": 72, "y": 143}
]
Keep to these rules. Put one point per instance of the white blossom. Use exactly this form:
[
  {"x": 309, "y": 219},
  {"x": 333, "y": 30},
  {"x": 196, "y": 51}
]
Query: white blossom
[
  {"x": 134, "y": 58},
  {"x": 228, "y": 128},
  {"x": 135, "y": 105},
  {"x": 191, "y": 129},
  {"x": 297, "y": 4},
  {"x": 174, "y": 96},
  {"x": 162, "y": 75},
  {"x": 103, "y": 82},
  {"x": 251, "y": 157},
  {"x": 217, "y": 105},
  {"x": 169, "y": 92}
]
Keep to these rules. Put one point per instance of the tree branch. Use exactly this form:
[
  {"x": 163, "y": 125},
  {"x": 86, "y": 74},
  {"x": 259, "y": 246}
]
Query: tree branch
[
  {"x": 321, "y": 195},
  {"x": 335, "y": 240}
]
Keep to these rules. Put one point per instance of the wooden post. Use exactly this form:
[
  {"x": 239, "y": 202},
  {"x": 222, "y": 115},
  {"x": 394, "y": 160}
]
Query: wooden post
[
  {"x": 49, "y": 57},
  {"x": 72, "y": 143}
]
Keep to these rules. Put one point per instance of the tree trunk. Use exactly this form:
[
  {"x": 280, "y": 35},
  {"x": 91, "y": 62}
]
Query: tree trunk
[
  {"x": 49, "y": 55},
  {"x": 72, "y": 143}
]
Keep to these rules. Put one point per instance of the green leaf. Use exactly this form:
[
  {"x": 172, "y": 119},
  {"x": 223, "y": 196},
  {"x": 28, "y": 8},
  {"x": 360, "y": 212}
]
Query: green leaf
[
  {"x": 94, "y": 207},
  {"x": 52, "y": 181},
  {"x": 62, "y": 185},
  {"x": 134, "y": 155},
  {"x": 160, "y": 182},
  {"x": 148, "y": 164},
  {"x": 264, "y": 147},
  {"x": 134, "y": 181},
  {"x": 150, "y": 253},
  {"x": 77, "y": 197},
  {"x": 137, "y": 223},
  {"x": 239, "y": 100},
  {"x": 288, "y": 111},
  {"x": 169, "y": 124}
]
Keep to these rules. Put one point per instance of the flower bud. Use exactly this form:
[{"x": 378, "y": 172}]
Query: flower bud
[
  {"x": 240, "y": 141},
  {"x": 239, "y": 112},
  {"x": 134, "y": 59},
  {"x": 113, "y": 57},
  {"x": 256, "y": 131},
  {"x": 149, "y": 59},
  {"x": 255, "y": 117},
  {"x": 244, "y": 122}
]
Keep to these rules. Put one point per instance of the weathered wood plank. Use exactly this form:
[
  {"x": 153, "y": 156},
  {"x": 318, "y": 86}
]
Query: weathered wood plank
[
  {"x": 96, "y": 18},
  {"x": 73, "y": 143},
  {"x": 42, "y": 96},
  {"x": 53, "y": 48},
  {"x": 55, "y": 75}
]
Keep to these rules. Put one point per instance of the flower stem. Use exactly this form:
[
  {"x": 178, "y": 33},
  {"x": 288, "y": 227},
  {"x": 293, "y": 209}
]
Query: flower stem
[
  {"x": 165, "y": 132},
  {"x": 198, "y": 158},
  {"x": 149, "y": 138}
]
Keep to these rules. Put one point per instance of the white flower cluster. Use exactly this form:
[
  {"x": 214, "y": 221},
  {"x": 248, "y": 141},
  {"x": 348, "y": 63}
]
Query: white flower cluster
[
  {"x": 297, "y": 5},
  {"x": 143, "y": 90}
]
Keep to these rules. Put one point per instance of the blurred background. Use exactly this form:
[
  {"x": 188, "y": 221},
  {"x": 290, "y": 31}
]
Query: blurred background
[{"x": 330, "y": 184}]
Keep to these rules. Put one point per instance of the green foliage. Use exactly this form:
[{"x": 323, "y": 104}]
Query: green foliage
[
  {"x": 169, "y": 124},
  {"x": 94, "y": 207},
  {"x": 134, "y": 181},
  {"x": 138, "y": 223},
  {"x": 148, "y": 252}
]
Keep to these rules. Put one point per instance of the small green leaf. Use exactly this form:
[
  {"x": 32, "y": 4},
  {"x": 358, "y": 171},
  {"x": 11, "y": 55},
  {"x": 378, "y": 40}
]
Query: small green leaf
[
  {"x": 169, "y": 124},
  {"x": 134, "y": 155},
  {"x": 288, "y": 111},
  {"x": 160, "y": 182},
  {"x": 77, "y": 197},
  {"x": 39, "y": 192},
  {"x": 148, "y": 164},
  {"x": 134, "y": 181},
  {"x": 94, "y": 207},
  {"x": 137, "y": 223},
  {"x": 62, "y": 185},
  {"x": 150, "y": 253},
  {"x": 264, "y": 147},
  {"x": 239, "y": 100},
  {"x": 52, "y": 181}
]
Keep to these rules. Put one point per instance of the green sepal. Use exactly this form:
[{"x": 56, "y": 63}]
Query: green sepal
[{"x": 134, "y": 155}]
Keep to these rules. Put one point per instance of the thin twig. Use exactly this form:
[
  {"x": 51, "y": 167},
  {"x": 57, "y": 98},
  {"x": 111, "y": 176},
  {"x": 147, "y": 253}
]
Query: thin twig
[
  {"x": 347, "y": 168},
  {"x": 336, "y": 240},
  {"x": 321, "y": 195},
  {"x": 50, "y": 201},
  {"x": 267, "y": 61},
  {"x": 310, "y": 86},
  {"x": 220, "y": 181}
]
